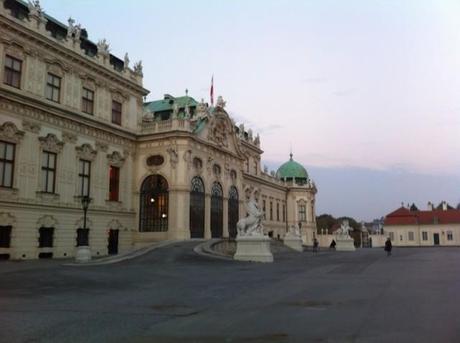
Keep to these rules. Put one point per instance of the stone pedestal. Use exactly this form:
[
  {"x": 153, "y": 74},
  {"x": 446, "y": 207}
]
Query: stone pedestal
[
  {"x": 83, "y": 254},
  {"x": 293, "y": 242},
  {"x": 344, "y": 243},
  {"x": 253, "y": 248}
]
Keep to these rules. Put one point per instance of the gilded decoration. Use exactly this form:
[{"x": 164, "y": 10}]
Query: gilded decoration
[
  {"x": 86, "y": 152},
  {"x": 116, "y": 159},
  {"x": 10, "y": 133},
  {"x": 51, "y": 143},
  {"x": 47, "y": 221}
]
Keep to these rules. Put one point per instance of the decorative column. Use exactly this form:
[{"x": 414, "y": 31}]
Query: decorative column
[{"x": 207, "y": 216}]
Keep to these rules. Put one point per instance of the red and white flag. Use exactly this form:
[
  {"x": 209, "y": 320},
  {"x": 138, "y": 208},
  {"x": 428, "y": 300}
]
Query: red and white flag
[{"x": 211, "y": 92}]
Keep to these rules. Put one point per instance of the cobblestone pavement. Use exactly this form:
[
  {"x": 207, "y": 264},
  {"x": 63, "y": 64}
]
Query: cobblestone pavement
[{"x": 174, "y": 295}]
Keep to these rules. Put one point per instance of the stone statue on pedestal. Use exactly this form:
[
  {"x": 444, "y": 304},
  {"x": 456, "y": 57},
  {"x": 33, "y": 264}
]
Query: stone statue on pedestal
[{"x": 252, "y": 224}]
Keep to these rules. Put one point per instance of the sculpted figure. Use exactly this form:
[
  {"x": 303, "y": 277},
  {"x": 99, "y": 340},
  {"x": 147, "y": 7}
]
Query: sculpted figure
[
  {"x": 126, "y": 61},
  {"x": 294, "y": 231},
  {"x": 344, "y": 228},
  {"x": 252, "y": 224},
  {"x": 138, "y": 68}
]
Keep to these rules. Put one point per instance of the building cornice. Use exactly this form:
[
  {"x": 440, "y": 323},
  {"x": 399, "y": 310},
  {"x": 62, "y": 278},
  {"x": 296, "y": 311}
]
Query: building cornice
[{"x": 48, "y": 45}]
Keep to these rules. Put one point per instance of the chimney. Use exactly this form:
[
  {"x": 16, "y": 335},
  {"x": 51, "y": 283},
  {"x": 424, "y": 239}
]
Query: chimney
[
  {"x": 444, "y": 206},
  {"x": 430, "y": 206}
]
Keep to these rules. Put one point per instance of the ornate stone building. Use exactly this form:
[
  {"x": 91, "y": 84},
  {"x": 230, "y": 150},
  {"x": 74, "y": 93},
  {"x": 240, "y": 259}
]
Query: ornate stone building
[{"x": 73, "y": 124}]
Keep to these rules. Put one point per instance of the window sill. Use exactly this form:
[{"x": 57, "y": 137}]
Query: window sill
[
  {"x": 48, "y": 196},
  {"x": 8, "y": 192}
]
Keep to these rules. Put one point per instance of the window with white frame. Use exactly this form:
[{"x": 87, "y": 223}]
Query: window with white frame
[
  {"x": 411, "y": 236},
  {"x": 424, "y": 235},
  {"x": 302, "y": 213},
  {"x": 450, "y": 236},
  {"x": 391, "y": 235},
  {"x": 84, "y": 175},
  {"x": 48, "y": 172}
]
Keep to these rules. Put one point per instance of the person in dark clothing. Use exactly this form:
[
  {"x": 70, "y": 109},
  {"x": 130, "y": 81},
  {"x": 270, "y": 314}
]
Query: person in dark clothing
[
  {"x": 388, "y": 246},
  {"x": 315, "y": 245},
  {"x": 332, "y": 245}
]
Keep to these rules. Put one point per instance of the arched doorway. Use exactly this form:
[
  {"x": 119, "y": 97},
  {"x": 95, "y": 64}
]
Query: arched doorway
[
  {"x": 232, "y": 211},
  {"x": 153, "y": 214},
  {"x": 197, "y": 208},
  {"x": 217, "y": 204}
]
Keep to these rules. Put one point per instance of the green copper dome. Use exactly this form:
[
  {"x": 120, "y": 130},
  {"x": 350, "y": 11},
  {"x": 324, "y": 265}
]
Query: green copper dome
[{"x": 292, "y": 169}]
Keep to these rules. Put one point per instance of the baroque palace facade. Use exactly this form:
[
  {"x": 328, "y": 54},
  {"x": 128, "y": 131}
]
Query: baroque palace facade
[{"x": 73, "y": 124}]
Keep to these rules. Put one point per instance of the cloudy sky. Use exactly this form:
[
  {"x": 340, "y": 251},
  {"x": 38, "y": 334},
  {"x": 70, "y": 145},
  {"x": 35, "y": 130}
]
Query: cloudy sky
[{"x": 367, "y": 92}]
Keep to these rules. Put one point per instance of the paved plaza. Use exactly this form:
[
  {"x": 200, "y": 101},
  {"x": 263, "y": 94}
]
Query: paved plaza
[{"x": 174, "y": 295}]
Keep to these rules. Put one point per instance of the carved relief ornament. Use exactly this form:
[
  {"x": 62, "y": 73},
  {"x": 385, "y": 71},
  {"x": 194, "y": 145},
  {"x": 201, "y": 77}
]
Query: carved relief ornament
[
  {"x": 69, "y": 137},
  {"x": 7, "y": 219},
  {"x": 31, "y": 126},
  {"x": 47, "y": 221},
  {"x": 86, "y": 152},
  {"x": 115, "y": 159},
  {"x": 10, "y": 133},
  {"x": 51, "y": 143}
]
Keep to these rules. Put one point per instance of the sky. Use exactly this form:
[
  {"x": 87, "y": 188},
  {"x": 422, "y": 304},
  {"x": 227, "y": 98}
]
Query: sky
[{"x": 366, "y": 92}]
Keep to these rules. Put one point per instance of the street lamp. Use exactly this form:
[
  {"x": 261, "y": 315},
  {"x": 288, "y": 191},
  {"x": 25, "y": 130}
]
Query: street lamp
[{"x": 83, "y": 251}]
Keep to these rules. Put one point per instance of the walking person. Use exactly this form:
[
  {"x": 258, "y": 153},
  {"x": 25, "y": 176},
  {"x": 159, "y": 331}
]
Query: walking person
[
  {"x": 332, "y": 245},
  {"x": 388, "y": 246},
  {"x": 315, "y": 245}
]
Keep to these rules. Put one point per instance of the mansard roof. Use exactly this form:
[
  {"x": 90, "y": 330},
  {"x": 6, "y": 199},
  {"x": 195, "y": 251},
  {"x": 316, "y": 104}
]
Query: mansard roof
[{"x": 403, "y": 216}]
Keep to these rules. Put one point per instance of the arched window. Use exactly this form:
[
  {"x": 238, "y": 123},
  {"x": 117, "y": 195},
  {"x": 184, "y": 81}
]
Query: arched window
[
  {"x": 153, "y": 214},
  {"x": 197, "y": 208},
  {"x": 217, "y": 203},
  {"x": 233, "y": 211}
]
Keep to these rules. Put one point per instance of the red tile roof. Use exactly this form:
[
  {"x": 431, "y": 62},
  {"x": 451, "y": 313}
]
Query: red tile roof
[{"x": 402, "y": 216}]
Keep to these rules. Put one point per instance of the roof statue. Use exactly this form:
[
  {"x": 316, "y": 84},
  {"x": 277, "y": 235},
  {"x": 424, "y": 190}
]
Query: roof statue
[
  {"x": 220, "y": 102},
  {"x": 201, "y": 111},
  {"x": 126, "y": 61},
  {"x": 138, "y": 68},
  {"x": 175, "y": 110},
  {"x": 257, "y": 140},
  {"x": 241, "y": 131},
  {"x": 35, "y": 8},
  {"x": 73, "y": 31},
  {"x": 103, "y": 47}
]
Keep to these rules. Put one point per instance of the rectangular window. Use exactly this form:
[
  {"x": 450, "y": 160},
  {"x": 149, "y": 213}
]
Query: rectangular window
[
  {"x": 284, "y": 213},
  {"x": 116, "y": 112},
  {"x": 277, "y": 211},
  {"x": 450, "y": 236},
  {"x": 46, "y": 237},
  {"x": 271, "y": 210},
  {"x": 255, "y": 167},
  {"x": 53, "y": 88},
  {"x": 302, "y": 213},
  {"x": 411, "y": 236},
  {"x": 48, "y": 172},
  {"x": 424, "y": 235},
  {"x": 84, "y": 174},
  {"x": 7, "y": 151},
  {"x": 114, "y": 180},
  {"x": 13, "y": 69},
  {"x": 5, "y": 236},
  {"x": 87, "y": 101},
  {"x": 392, "y": 236}
]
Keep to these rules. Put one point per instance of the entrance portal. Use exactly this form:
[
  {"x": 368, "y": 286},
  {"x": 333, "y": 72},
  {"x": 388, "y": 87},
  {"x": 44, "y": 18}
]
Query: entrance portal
[
  {"x": 197, "y": 208},
  {"x": 113, "y": 242},
  {"x": 232, "y": 211},
  {"x": 217, "y": 204},
  {"x": 436, "y": 238}
]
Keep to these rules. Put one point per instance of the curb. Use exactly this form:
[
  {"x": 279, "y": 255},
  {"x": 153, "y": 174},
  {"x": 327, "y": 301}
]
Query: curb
[
  {"x": 127, "y": 256},
  {"x": 205, "y": 249}
]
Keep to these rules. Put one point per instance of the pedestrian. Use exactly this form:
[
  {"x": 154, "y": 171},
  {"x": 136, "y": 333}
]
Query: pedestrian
[
  {"x": 332, "y": 245},
  {"x": 315, "y": 245},
  {"x": 388, "y": 246}
]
